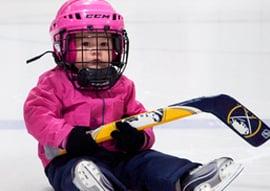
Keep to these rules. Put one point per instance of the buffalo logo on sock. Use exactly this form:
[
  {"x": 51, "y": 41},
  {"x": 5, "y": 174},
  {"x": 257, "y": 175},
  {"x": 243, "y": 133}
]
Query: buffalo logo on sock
[{"x": 244, "y": 122}]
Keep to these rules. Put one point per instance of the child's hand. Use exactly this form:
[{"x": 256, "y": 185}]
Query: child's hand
[
  {"x": 128, "y": 138},
  {"x": 80, "y": 142}
]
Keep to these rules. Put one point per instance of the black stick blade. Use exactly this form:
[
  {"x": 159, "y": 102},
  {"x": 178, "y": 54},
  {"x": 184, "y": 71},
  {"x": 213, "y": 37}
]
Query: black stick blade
[{"x": 240, "y": 119}]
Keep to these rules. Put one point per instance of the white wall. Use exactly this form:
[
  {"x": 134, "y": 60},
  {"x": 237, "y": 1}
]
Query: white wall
[{"x": 180, "y": 49}]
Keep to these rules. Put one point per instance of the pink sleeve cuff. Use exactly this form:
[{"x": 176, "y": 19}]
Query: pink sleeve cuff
[{"x": 147, "y": 143}]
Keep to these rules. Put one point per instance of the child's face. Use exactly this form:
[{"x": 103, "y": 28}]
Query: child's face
[{"x": 94, "y": 50}]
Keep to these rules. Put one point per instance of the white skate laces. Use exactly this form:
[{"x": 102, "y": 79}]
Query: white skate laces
[
  {"x": 88, "y": 177},
  {"x": 214, "y": 176}
]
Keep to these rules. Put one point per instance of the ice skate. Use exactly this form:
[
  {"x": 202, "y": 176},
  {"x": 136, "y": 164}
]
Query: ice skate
[
  {"x": 88, "y": 177},
  {"x": 214, "y": 176}
]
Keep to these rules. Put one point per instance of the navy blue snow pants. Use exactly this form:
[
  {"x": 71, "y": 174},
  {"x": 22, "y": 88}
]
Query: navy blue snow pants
[{"x": 146, "y": 171}]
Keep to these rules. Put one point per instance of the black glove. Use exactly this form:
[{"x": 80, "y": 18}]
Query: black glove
[
  {"x": 79, "y": 142},
  {"x": 128, "y": 138}
]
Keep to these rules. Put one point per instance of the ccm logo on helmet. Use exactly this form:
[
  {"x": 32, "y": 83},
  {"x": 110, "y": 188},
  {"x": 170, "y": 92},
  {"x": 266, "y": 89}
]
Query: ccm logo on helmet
[{"x": 97, "y": 16}]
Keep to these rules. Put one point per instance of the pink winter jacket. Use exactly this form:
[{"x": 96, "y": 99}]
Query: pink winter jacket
[{"x": 54, "y": 107}]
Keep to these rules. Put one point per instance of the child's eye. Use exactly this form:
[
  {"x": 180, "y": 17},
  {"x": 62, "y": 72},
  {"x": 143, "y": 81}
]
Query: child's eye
[
  {"x": 103, "y": 44},
  {"x": 86, "y": 44}
]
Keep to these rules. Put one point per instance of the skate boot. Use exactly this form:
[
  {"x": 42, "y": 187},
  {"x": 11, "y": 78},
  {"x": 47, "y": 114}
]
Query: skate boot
[
  {"x": 88, "y": 177},
  {"x": 214, "y": 176}
]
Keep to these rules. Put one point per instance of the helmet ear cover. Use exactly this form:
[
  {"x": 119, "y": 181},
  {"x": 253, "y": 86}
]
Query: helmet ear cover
[
  {"x": 59, "y": 49},
  {"x": 117, "y": 47},
  {"x": 70, "y": 51}
]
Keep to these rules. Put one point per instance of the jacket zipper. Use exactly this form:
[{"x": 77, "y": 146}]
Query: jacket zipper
[{"x": 103, "y": 111}]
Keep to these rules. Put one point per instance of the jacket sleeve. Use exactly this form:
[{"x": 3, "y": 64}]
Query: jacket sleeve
[
  {"x": 134, "y": 107},
  {"x": 42, "y": 115}
]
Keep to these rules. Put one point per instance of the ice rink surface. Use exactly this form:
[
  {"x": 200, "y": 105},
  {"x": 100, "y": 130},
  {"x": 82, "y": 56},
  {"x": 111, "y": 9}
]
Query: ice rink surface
[{"x": 196, "y": 140}]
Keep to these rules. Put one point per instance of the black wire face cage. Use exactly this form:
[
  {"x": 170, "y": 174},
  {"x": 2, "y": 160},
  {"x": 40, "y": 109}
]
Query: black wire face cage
[{"x": 93, "y": 59}]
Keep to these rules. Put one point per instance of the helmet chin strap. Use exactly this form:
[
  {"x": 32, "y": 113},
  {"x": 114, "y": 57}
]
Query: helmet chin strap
[{"x": 39, "y": 56}]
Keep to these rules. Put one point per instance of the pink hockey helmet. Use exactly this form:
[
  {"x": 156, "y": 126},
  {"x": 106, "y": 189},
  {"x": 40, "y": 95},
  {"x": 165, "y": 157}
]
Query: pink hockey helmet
[
  {"x": 80, "y": 14},
  {"x": 96, "y": 16}
]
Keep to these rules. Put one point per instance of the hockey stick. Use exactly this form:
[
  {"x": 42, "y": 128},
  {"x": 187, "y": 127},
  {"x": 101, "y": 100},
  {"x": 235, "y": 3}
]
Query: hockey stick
[{"x": 236, "y": 116}]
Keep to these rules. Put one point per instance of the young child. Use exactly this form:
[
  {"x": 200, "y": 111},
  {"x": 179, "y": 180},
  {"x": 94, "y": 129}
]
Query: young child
[{"x": 87, "y": 89}]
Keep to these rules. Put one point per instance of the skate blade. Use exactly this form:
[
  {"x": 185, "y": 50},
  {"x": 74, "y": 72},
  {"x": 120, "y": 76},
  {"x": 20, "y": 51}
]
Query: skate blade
[{"x": 228, "y": 180}]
